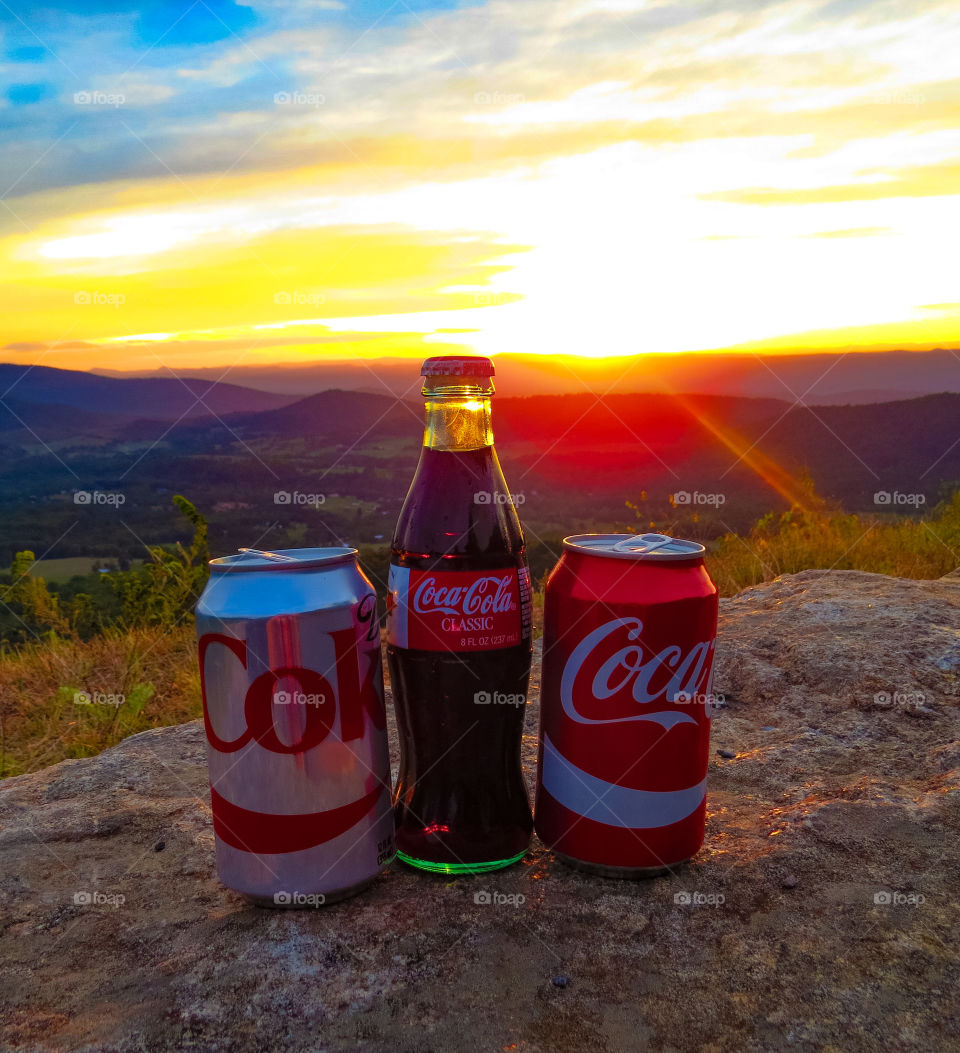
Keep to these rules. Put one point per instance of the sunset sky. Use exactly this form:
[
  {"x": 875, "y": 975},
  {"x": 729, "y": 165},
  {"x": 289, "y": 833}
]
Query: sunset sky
[{"x": 215, "y": 184}]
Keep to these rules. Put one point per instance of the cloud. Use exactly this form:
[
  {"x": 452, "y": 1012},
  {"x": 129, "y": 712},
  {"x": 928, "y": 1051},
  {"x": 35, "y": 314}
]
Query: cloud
[
  {"x": 853, "y": 232},
  {"x": 920, "y": 181},
  {"x": 37, "y": 345},
  {"x": 286, "y": 287},
  {"x": 587, "y": 73}
]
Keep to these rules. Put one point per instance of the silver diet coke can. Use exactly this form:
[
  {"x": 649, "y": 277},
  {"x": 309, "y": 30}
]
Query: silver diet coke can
[{"x": 292, "y": 683}]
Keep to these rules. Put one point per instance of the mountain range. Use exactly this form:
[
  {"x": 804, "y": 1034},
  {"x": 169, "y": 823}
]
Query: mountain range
[
  {"x": 822, "y": 378},
  {"x": 155, "y": 398},
  {"x": 700, "y": 463}
]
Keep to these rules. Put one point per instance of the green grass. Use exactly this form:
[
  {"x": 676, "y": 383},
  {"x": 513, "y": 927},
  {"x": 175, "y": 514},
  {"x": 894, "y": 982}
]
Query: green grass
[
  {"x": 62, "y": 570},
  {"x": 390, "y": 450},
  {"x": 349, "y": 506}
]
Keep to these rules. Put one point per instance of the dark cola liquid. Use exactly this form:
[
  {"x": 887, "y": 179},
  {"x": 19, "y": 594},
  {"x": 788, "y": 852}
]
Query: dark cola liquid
[{"x": 460, "y": 797}]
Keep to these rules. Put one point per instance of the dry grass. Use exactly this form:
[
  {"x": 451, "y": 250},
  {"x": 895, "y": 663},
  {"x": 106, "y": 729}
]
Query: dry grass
[
  {"x": 904, "y": 548},
  {"x": 138, "y": 679}
]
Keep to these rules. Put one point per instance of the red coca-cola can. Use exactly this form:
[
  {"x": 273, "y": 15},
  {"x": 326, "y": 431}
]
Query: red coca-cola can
[{"x": 630, "y": 624}]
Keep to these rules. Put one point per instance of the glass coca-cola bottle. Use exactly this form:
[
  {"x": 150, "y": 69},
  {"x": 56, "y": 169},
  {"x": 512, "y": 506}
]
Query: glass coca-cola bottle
[{"x": 458, "y": 638}]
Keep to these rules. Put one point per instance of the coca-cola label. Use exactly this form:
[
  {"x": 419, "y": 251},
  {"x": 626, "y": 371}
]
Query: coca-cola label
[
  {"x": 614, "y": 681},
  {"x": 457, "y": 610},
  {"x": 618, "y": 678},
  {"x": 294, "y": 718}
]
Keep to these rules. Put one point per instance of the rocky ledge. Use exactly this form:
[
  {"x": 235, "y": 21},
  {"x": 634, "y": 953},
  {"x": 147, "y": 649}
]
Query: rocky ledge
[{"x": 821, "y": 914}]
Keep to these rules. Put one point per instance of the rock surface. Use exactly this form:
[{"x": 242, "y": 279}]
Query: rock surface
[{"x": 828, "y": 913}]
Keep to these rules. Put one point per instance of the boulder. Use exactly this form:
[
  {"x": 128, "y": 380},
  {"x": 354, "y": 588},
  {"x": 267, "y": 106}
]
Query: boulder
[{"x": 821, "y": 913}]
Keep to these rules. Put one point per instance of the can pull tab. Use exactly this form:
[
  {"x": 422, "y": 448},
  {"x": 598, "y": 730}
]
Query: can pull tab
[
  {"x": 642, "y": 543},
  {"x": 263, "y": 554}
]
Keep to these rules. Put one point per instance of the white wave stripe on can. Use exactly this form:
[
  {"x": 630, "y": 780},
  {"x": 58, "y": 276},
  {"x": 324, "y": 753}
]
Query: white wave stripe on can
[{"x": 605, "y": 802}]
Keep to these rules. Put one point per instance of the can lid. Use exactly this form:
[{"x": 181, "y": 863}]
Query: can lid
[
  {"x": 282, "y": 559},
  {"x": 651, "y": 547},
  {"x": 457, "y": 366}
]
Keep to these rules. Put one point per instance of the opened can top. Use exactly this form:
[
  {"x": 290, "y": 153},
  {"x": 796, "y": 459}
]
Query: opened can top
[
  {"x": 282, "y": 559},
  {"x": 658, "y": 548}
]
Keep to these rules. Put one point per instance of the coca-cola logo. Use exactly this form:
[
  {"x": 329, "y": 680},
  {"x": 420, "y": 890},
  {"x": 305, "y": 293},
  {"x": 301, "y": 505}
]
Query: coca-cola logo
[
  {"x": 608, "y": 666},
  {"x": 487, "y": 595},
  {"x": 358, "y": 701}
]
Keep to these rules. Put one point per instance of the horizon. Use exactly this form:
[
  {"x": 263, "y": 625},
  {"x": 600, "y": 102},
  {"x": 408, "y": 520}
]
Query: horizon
[
  {"x": 282, "y": 185},
  {"x": 826, "y": 378}
]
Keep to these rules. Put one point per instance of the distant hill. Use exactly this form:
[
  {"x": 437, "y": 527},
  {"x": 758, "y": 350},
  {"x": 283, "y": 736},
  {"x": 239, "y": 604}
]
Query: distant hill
[
  {"x": 23, "y": 422},
  {"x": 155, "y": 398},
  {"x": 338, "y": 416},
  {"x": 701, "y": 464},
  {"x": 751, "y": 450},
  {"x": 912, "y": 445},
  {"x": 819, "y": 378}
]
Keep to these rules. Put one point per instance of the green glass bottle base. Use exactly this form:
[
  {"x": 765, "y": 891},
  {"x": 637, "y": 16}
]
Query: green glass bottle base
[{"x": 458, "y": 868}]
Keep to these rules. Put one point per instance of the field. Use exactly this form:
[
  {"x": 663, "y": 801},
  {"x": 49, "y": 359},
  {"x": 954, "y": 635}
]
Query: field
[{"x": 62, "y": 570}]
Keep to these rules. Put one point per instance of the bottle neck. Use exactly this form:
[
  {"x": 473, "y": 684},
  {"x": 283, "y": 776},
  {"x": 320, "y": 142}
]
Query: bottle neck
[{"x": 458, "y": 415}]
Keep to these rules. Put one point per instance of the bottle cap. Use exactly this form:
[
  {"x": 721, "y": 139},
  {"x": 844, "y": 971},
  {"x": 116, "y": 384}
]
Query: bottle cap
[
  {"x": 659, "y": 547},
  {"x": 457, "y": 366}
]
